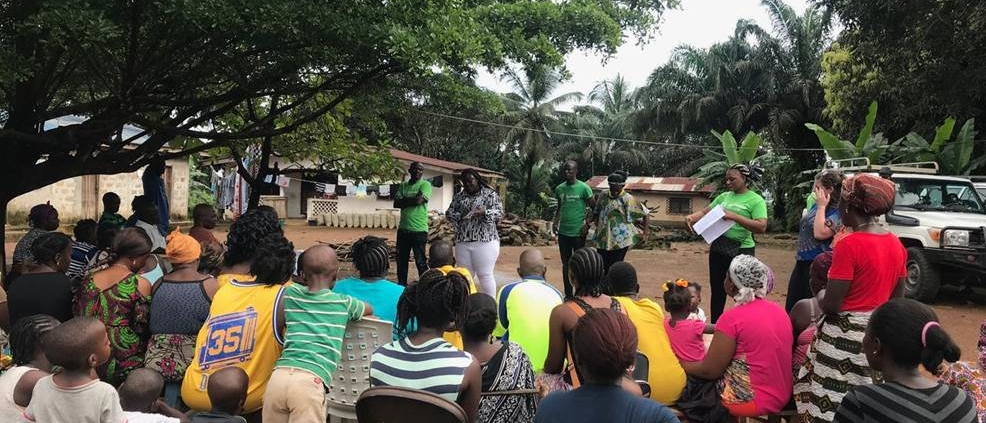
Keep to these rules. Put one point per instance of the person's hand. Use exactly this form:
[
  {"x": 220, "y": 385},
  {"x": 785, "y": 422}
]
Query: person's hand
[
  {"x": 478, "y": 211},
  {"x": 728, "y": 215},
  {"x": 585, "y": 230},
  {"x": 822, "y": 197}
]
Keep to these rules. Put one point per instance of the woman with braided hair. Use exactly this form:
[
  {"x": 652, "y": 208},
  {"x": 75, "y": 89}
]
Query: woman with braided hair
[
  {"x": 748, "y": 211},
  {"x": 371, "y": 257},
  {"x": 435, "y": 305},
  {"x": 587, "y": 271},
  {"x": 868, "y": 269},
  {"x": 30, "y": 365},
  {"x": 245, "y": 236}
]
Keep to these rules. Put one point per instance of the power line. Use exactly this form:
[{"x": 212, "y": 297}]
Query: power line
[{"x": 632, "y": 141}]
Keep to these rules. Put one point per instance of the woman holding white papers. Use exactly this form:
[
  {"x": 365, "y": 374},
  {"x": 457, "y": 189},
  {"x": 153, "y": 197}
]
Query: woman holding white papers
[{"x": 748, "y": 211}]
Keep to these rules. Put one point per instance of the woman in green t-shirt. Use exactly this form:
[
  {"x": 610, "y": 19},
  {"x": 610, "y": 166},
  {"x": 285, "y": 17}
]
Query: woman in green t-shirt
[{"x": 749, "y": 212}]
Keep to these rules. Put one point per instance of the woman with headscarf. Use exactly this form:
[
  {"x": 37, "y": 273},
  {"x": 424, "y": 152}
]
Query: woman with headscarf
[
  {"x": 604, "y": 343},
  {"x": 43, "y": 218},
  {"x": 868, "y": 268},
  {"x": 749, "y": 212},
  {"x": 750, "y": 350},
  {"x": 180, "y": 307},
  {"x": 621, "y": 221},
  {"x": 816, "y": 230},
  {"x": 474, "y": 212}
]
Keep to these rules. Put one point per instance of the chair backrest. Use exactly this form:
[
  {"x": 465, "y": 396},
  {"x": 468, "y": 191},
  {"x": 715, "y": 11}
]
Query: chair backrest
[
  {"x": 641, "y": 370},
  {"x": 352, "y": 375},
  {"x": 387, "y": 404}
]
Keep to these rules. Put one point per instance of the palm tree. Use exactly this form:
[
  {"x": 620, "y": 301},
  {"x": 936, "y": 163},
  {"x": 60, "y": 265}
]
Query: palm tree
[{"x": 533, "y": 113}]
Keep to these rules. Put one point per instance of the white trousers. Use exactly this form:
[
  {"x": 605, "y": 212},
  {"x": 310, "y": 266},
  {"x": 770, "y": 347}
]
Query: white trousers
[{"x": 479, "y": 258}]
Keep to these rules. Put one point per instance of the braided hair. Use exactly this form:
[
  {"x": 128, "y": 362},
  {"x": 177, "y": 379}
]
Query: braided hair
[
  {"x": 435, "y": 301},
  {"x": 246, "y": 233},
  {"x": 274, "y": 261},
  {"x": 49, "y": 247},
  {"x": 26, "y": 337},
  {"x": 588, "y": 270},
  {"x": 481, "y": 318},
  {"x": 371, "y": 257}
]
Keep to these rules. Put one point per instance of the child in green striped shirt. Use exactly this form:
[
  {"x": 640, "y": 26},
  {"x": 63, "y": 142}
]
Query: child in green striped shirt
[{"x": 315, "y": 323}]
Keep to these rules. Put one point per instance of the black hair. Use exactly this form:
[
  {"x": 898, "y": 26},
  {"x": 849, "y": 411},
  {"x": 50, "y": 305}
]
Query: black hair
[
  {"x": 48, "y": 247},
  {"x": 84, "y": 229},
  {"x": 677, "y": 299},
  {"x": 105, "y": 236},
  {"x": 481, "y": 317},
  {"x": 270, "y": 211},
  {"x": 27, "y": 337},
  {"x": 142, "y": 387},
  {"x": 131, "y": 242},
  {"x": 69, "y": 344},
  {"x": 433, "y": 302},
  {"x": 621, "y": 279},
  {"x": 898, "y": 324},
  {"x": 696, "y": 285},
  {"x": 245, "y": 235},
  {"x": 111, "y": 196},
  {"x": 274, "y": 261},
  {"x": 371, "y": 256},
  {"x": 474, "y": 173},
  {"x": 139, "y": 201},
  {"x": 589, "y": 269}
]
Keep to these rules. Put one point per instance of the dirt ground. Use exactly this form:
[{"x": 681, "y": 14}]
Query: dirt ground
[{"x": 960, "y": 315}]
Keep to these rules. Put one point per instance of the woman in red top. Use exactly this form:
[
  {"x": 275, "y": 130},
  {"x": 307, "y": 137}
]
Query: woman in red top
[{"x": 868, "y": 268}]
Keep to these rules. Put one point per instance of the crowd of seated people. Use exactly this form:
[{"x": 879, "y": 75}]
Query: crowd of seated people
[{"x": 259, "y": 335}]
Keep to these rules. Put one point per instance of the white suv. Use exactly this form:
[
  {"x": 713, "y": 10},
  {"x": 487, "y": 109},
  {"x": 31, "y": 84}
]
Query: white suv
[{"x": 942, "y": 223}]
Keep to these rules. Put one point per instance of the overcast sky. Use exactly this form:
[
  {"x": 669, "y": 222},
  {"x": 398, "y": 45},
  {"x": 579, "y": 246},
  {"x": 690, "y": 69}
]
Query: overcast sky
[{"x": 699, "y": 23}]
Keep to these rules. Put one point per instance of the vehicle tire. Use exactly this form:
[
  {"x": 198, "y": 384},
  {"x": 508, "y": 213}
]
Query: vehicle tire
[{"x": 923, "y": 279}]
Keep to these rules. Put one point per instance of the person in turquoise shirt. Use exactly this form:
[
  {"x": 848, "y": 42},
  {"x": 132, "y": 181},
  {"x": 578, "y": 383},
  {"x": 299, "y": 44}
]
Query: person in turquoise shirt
[
  {"x": 573, "y": 198},
  {"x": 371, "y": 257},
  {"x": 748, "y": 211},
  {"x": 412, "y": 232}
]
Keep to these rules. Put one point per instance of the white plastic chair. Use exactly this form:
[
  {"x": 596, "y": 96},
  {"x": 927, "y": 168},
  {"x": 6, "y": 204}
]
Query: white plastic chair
[{"x": 352, "y": 375}]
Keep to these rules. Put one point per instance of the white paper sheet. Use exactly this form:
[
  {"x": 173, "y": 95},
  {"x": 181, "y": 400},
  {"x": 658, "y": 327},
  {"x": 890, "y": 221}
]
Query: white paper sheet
[{"x": 713, "y": 224}]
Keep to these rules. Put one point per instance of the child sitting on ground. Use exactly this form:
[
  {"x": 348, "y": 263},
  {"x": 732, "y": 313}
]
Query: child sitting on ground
[
  {"x": 316, "y": 320},
  {"x": 685, "y": 334},
  {"x": 140, "y": 399},
  {"x": 76, "y": 394},
  {"x": 805, "y": 313},
  {"x": 696, "y": 312},
  {"x": 227, "y": 390}
]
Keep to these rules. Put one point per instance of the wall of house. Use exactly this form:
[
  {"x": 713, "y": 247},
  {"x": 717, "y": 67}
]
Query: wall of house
[
  {"x": 69, "y": 196},
  {"x": 440, "y": 199},
  {"x": 659, "y": 205}
]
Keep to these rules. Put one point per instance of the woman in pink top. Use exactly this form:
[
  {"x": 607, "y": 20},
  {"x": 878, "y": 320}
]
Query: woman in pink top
[
  {"x": 751, "y": 348},
  {"x": 685, "y": 334}
]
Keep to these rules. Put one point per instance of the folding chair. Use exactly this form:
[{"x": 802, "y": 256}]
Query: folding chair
[{"x": 389, "y": 404}]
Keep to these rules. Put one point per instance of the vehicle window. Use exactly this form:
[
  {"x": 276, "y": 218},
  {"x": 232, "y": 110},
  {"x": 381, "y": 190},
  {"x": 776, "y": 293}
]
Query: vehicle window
[{"x": 937, "y": 195}]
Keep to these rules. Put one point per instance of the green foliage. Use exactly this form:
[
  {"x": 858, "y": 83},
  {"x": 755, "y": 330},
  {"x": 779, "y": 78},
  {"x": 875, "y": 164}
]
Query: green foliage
[
  {"x": 199, "y": 186},
  {"x": 869, "y": 145},
  {"x": 714, "y": 170}
]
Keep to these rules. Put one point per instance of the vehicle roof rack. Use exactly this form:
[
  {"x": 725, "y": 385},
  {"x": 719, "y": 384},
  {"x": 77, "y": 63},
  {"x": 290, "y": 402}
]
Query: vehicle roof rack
[{"x": 862, "y": 164}]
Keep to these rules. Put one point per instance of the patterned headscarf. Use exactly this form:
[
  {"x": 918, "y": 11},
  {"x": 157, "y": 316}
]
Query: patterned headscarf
[
  {"x": 618, "y": 177},
  {"x": 870, "y": 193},
  {"x": 982, "y": 345},
  {"x": 749, "y": 172},
  {"x": 750, "y": 276}
]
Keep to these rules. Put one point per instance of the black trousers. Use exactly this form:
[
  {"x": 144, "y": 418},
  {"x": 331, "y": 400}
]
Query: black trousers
[
  {"x": 613, "y": 256},
  {"x": 718, "y": 268},
  {"x": 566, "y": 246},
  {"x": 799, "y": 286},
  {"x": 407, "y": 241}
]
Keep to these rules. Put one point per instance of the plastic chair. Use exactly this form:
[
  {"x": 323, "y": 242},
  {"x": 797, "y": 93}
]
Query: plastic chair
[
  {"x": 352, "y": 375},
  {"x": 641, "y": 370},
  {"x": 388, "y": 404}
]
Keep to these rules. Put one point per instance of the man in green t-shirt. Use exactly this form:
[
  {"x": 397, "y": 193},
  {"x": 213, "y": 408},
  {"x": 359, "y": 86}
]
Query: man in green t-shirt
[
  {"x": 573, "y": 198},
  {"x": 412, "y": 233}
]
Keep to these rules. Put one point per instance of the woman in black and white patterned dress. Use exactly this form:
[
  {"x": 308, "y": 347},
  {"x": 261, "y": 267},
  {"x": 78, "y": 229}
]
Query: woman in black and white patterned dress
[{"x": 474, "y": 212}]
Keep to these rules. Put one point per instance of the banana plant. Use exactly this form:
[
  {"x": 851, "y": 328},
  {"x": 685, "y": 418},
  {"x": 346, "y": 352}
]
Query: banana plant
[
  {"x": 954, "y": 155},
  {"x": 869, "y": 145},
  {"x": 714, "y": 170}
]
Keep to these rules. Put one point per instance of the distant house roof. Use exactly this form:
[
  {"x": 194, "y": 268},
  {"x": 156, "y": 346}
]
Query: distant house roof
[
  {"x": 442, "y": 164},
  {"x": 654, "y": 184}
]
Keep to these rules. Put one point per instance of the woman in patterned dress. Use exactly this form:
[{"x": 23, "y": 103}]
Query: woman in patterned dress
[
  {"x": 508, "y": 376},
  {"x": 474, "y": 212},
  {"x": 120, "y": 298},
  {"x": 617, "y": 215}
]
